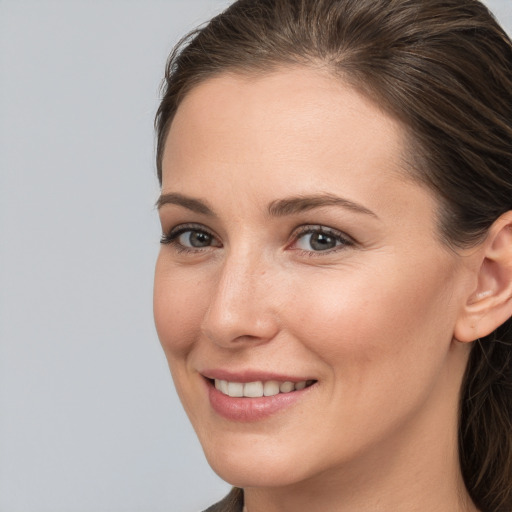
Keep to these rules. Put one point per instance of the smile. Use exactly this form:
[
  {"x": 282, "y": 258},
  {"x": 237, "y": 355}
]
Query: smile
[
  {"x": 253, "y": 400},
  {"x": 258, "y": 389}
]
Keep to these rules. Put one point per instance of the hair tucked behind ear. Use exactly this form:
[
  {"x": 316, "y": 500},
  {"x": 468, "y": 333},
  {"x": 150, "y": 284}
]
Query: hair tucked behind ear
[{"x": 444, "y": 68}]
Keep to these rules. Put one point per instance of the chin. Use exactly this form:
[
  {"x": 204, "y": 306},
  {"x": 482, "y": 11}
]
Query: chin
[
  {"x": 251, "y": 473},
  {"x": 254, "y": 465}
]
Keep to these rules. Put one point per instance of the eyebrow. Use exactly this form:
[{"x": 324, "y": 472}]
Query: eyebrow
[
  {"x": 190, "y": 203},
  {"x": 277, "y": 208},
  {"x": 298, "y": 204}
]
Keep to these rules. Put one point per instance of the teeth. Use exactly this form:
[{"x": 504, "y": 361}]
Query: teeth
[
  {"x": 235, "y": 389},
  {"x": 286, "y": 387},
  {"x": 258, "y": 389},
  {"x": 253, "y": 389},
  {"x": 222, "y": 386},
  {"x": 271, "y": 388}
]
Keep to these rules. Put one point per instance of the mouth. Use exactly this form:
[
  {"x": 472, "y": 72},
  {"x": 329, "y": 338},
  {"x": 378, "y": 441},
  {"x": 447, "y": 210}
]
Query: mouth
[
  {"x": 258, "y": 388},
  {"x": 241, "y": 397}
]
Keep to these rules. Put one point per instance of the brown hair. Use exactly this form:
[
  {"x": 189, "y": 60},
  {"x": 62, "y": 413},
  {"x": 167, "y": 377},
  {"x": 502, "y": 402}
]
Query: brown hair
[{"x": 444, "y": 68}]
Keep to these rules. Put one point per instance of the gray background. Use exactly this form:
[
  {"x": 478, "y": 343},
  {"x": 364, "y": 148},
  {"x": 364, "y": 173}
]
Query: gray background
[{"x": 88, "y": 417}]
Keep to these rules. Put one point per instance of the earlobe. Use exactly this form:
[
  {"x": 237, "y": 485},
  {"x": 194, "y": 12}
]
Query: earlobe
[{"x": 490, "y": 304}]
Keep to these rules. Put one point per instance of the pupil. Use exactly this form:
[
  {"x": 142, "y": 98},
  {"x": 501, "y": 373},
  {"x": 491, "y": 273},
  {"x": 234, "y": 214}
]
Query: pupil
[
  {"x": 322, "y": 242},
  {"x": 200, "y": 239}
]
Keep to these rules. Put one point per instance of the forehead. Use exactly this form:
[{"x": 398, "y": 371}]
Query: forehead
[
  {"x": 291, "y": 130},
  {"x": 289, "y": 103}
]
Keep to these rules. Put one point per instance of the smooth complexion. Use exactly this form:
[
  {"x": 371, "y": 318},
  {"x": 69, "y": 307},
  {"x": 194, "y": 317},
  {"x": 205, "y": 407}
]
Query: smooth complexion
[{"x": 298, "y": 249}]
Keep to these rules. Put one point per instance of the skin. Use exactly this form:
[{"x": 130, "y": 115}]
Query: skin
[{"x": 372, "y": 319}]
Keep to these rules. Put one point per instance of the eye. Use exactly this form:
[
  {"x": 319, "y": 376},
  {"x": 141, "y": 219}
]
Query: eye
[
  {"x": 320, "y": 239},
  {"x": 195, "y": 239},
  {"x": 190, "y": 238}
]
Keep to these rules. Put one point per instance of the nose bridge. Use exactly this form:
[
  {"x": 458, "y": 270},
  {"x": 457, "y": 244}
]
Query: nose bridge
[{"x": 240, "y": 308}]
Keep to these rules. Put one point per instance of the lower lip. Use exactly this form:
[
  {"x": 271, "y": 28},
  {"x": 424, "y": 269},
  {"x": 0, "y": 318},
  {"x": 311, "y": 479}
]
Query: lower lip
[{"x": 251, "y": 409}]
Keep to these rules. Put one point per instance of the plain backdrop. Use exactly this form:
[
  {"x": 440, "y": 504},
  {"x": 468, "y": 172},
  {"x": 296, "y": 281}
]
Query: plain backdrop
[{"x": 89, "y": 420}]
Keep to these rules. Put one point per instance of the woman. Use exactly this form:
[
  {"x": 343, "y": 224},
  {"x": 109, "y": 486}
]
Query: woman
[{"x": 334, "y": 287}]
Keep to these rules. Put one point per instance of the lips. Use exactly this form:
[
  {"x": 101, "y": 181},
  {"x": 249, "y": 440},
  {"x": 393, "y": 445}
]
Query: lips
[{"x": 253, "y": 396}]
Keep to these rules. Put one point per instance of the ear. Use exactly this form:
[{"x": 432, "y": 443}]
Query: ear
[{"x": 490, "y": 305}]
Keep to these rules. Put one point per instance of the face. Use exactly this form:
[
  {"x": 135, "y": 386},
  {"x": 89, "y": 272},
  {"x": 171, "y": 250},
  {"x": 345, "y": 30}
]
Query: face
[{"x": 301, "y": 273}]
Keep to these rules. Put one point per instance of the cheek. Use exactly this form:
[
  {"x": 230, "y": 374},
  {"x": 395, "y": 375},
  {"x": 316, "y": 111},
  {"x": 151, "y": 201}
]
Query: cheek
[
  {"x": 383, "y": 340},
  {"x": 370, "y": 324},
  {"x": 179, "y": 301}
]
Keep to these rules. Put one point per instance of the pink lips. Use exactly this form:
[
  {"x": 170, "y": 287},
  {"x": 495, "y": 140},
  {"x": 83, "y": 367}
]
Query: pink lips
[{"x": 250, "y": 409}]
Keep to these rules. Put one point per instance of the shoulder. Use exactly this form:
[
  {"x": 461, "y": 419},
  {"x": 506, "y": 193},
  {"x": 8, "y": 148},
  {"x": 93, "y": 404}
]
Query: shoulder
[{"x": 233, "y": 502}]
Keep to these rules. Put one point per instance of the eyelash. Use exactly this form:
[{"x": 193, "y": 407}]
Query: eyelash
[
  {"x": 344, "y": 241},
  {"x": 171, "y": 238}
]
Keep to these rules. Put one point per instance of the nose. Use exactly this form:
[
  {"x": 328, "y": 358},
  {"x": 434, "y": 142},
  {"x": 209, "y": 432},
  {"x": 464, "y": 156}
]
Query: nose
[{"x": 243, "y": 306}]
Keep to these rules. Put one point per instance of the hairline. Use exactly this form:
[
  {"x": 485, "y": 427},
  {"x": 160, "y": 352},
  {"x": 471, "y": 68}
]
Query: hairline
[{"x": 413, "y": 151}]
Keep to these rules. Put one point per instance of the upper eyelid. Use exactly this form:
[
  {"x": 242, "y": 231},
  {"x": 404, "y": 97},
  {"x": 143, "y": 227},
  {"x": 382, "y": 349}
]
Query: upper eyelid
[
  {"x": 297, "y": 232},
  {"x": 304, "y": 228},
  {"x": 182, "y": 228},
  {"x": 312, "y": 228},
  {"x": 170, "y": 236},
  {"x": 316, "y": 227}
]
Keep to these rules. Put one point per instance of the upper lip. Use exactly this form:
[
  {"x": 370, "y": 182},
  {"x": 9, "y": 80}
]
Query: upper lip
[{"x": 250, "y": 376}]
